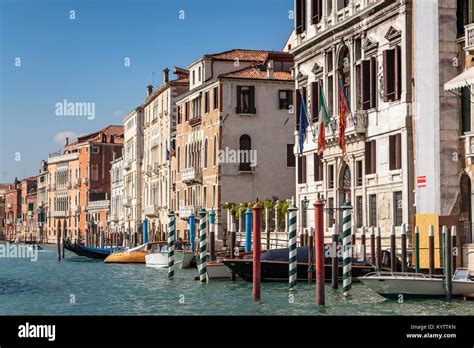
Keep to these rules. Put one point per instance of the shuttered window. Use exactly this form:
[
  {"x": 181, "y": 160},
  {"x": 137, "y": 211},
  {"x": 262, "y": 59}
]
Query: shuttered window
[
  {"x": 359, "y": 211},
  {"x": 318, "y": 168},
  {"x": 246, "y": 100},
  {"x": 300, "y": 18},
  {"x": 301, "y": 169},
  {"x": 368, "y": 78},
  {"x": 395, "y": 150},
  {"x": 370, "y": 157},
  {"x": 392, "y": 74},
  {"x": 316, "y": 11},
  {"x": 331, "y": 176},
  {"x": 315, "y": 101}
]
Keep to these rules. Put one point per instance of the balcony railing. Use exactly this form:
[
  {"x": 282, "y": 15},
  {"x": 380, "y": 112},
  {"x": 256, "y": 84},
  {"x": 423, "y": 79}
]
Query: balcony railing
[
  {"x": 192, "y": 175},
  {"x": 195, "y": 121},
  {"x": 185, "y": 211},
  {"x": 58, "y": 213},
  {"x": 469, "y": 37},
  {"x": 98, "y": 205},
  {"x": 152, "y": 211}
]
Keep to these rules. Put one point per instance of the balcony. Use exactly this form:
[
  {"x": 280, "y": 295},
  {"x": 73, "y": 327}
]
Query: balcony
[
  {"x": 127, "y": 202},
  {"x": 58, "y": 213},
  {"x": 185, "y": 211},
  {"x": 69, "y": 185},
  {"x": 195, "y": 121},
  {"x": 53, "y": 187},
  {"x": 114, "y": 218},
  {"x": 86, "y": 181},
  {"x": 357, "y": 123},
  {"x": 98, "y": 205},
  {"x": 148, "y": 169},
  {"x": 152, "y": 211},
  {"x": 469, "y": 37},
  {"x": 57, "y": 158},
  {"x": 192, "y": 175}
]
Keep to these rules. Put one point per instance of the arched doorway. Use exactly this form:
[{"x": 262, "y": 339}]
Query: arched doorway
[
  {"x": 344, "y": 187},
  {"x": 465, "y": 205}
]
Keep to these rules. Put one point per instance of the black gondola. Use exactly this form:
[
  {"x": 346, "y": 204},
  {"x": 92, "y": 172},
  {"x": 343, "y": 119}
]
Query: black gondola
[{"x": 93, "y": 253}]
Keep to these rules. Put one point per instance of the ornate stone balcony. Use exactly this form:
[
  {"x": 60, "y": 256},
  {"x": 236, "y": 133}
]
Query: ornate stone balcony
[{"x": 192, "y": 175}]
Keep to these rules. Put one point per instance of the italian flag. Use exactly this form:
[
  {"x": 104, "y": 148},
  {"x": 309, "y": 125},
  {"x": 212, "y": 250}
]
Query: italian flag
[{"x": 324, "y": 120}]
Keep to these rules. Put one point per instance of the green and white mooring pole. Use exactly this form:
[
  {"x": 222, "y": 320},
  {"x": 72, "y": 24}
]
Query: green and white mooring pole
[
  {"x": 292, "y": 247},
  {"x": 346, "y": 247},
  {"x": 171, "y": 223},
  {"x": 202, "y": 246}
]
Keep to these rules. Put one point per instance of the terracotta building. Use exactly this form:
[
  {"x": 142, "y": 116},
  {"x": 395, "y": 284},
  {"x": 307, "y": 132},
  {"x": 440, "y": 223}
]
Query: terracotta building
[
  {"x": 12, "y": 210},
  {"x": 29, "y": 215}
]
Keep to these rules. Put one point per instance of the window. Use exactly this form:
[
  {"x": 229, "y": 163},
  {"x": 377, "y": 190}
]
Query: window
[
  {"x": 300, "y": 18},
  {"x": 331, "y": 176},
  {"x": 194, "y": 77},
  {"x": 395, "y": 151},
  {"x": 290, "y": 156},
  {"x": 316, "y": 11},
  {"x": 155, "y": 111},
  {"x": 368, "y": 72},
  {"x": 318, "y": 168},
  {"x": 94, "y": 172},
  {"x": 301, "y": 169},
  {"x": 373, "y": 210},
  {"x": 95, "y": 149},
  {"x": 214, "y": 198},
  {"x": 204, "y": 197},
  {"x": 392, "y": 74},
  {"x": 186, "y": 111},
  {"x": 370, "y": 157},
  {"x": 331, "y": 211},
  {"x": 215, "y": 97},
  {"x": 246, "y": 99},
  {"x": 398, "y": 208},
  {"x": 215, "y": 151},
  {"x": 358, "y": 173},
  {"x": 328, "y": 6},
  {"x": 315, "y": 101},
  {"x": 342, "y": 3},
  {"x": 178, "y": 159},
  {"x": 196, "y": 107},
  {"x": 359, "y": 211},
  {"x": 285, "y": 99},
  {"x": 179, "y": 114},
  {"x": 200, "y": 74},
  {"x": 245, "y": 145},
  {"x": 466, "y": 109},
  {"x": 205, "y": 153},
  {"x": 206, "y": 103}
]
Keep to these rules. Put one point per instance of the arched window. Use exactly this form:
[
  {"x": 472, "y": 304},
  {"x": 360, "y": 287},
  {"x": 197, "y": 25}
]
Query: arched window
[
  {"x": 205, "y": 154},
  {"x": 185, "y": 156},
  {"x": 245, "y": 145},
  {"x": 344, "y": 73}
]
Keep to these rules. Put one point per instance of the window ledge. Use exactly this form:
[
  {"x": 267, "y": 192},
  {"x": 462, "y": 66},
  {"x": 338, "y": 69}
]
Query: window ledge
[
  {"x": 246, "y": 114},
  {"x": 394, "y": 172},
  {"x": 244, "y": 172}
]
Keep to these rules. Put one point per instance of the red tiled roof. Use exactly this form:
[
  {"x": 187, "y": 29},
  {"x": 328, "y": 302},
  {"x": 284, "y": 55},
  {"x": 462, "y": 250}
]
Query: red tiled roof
[
  {"x": 248, "y": 55},
  {"x": 257, "y": 74},
  {"x": 115, "y": 130}
]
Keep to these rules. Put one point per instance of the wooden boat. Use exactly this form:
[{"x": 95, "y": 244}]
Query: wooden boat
[
  {"x": 158, "y": 257},
  {"x": 418, "y": 285},
  {"x": 274, "y": 266},
  {"x": 133, "y": 255},
  {"x": 93, "y": 253},
  {"x": 218, "y": 270}
]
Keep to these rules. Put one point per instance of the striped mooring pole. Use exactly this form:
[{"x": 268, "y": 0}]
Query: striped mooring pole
[
  {"x": 417, "y": 249},
  {"x": 404, "y": 247},
  {"x": 248, "y": 230},
  {"x": 393, "y": 250},
  {"x": 372, "y": 244},
  {"x": 257, "y": 249},
  {"x": 334, "y": 259},
  {"x": 171, "y": 223},
  {"x": 202, "y": 246},
  {"x": 292, "y": 247},
  {"x": 346, "y": 247}
]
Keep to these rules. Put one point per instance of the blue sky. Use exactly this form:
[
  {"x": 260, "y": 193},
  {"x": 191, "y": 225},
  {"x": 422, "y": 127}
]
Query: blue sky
[{"x": 82, "y": 60}]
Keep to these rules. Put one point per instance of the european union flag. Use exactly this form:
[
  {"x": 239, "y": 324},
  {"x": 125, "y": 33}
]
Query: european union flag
[{"x": 303, "y": 125}]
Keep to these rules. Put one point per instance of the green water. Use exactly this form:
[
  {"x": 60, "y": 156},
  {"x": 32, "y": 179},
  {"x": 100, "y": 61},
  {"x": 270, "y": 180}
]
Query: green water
[{"x": 80, "y": 286}]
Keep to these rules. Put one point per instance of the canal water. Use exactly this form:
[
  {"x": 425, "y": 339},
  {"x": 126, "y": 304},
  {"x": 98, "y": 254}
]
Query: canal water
[{"x": 81, "y": 286}]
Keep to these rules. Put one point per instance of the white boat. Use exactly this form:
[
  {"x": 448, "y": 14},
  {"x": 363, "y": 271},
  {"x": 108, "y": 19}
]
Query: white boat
[
  {"x": 417, "y": 285},
  {"x": 158, "y": 257},
  {"x": 217, "y": 270}
]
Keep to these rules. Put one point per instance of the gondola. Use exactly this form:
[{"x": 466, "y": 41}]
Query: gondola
[
  {"x": 274, "y": 266},
  {"x": 93, "y": 253}
]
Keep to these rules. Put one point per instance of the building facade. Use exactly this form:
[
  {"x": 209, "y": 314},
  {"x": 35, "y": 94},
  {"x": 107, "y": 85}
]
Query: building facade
[
  {"x": 233, "y": 130},
  {"x": 42, "y": 201},
  {"x": 159, "y": 124},
  {"x": 117, "y": 212},
  {"x": 29, "y": 214},
  {"x": 13, "y": 210},
  {"x": 362, "y": 48},
  {"x": 3, "y": 189},
  {"x": 132, "y": 165}
]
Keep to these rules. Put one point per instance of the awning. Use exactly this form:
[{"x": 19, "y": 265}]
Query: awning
[{"x": 464, "y": 79}]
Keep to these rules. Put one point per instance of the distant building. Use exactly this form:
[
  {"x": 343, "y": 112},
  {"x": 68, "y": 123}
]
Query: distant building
[
  {"x": 234, "y": 140},
  {"x": 42, "y": 201},
  {"x": 29, "y": 214},
  {"x": 3, "y": 189},
  {"x": 13, "y": 210},
  {"x": 117, "y": 213}
]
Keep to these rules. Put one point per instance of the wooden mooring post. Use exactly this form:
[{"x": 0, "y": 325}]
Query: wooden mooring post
[
  {"x": 454, "y": 249},
  {"x": 379, "y": 249},
  {"x": 372, "y": 244},
  {"x": 319, "y": 250},
  {"x": 417, "y": 249},
  {"x": 404, "y": 247},
  {"x": 334, "y": 263},
  {"x": 233, "y": 247},
  {"x": 393, "y": 250},
  {"x": 448, "y": 269},
  {"x": 362, "y": 243},
  {"x": 212, "y": 235},
  {"x": 431, "y": 249},
  {"x": 311, "y": 255}
]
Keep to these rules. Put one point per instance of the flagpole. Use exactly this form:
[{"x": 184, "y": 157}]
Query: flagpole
[{"x": 354, "y": 121}]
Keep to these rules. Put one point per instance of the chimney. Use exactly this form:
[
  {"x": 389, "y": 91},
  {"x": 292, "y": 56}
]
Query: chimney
[
  {"x": 270, "y": 69},
  {"x": 166, "y": 75},
  {"x": 149, "y": 89},
  {"x": 67, "y": 141}
]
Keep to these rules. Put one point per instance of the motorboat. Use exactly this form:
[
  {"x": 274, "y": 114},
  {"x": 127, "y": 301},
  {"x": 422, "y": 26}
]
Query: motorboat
[
  {"x": 133, "y": 255},
  {"x": 418, "y": 285},
  {"x": 274, "y": 266},
  {"x": 158, "y": 257}
]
